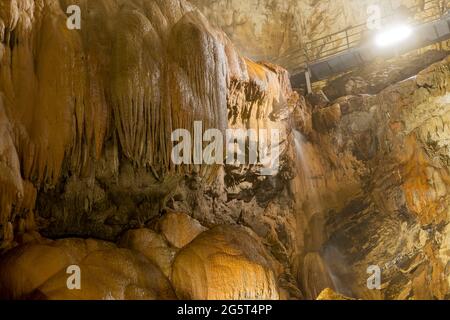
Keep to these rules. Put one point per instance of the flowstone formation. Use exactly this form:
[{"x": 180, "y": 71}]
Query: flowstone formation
[
  {"x": 88, "y": 181},
  {"x": 87, "y": 119},
  {"x": 385, "y": 158}
]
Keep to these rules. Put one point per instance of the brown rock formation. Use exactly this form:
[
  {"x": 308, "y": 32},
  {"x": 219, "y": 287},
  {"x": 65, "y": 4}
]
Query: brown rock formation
[
  {"x": 39, "y": 271},
  {"x": 206, "y": 268},
  {"x": 88, "y": 133},
  {"x": 86, "y": 118},
  {"x": 386, "y": 160}
]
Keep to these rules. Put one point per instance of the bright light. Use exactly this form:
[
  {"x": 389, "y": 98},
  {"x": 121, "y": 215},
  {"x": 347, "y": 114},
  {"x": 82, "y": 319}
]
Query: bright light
[{"x": 393, "y": 36}]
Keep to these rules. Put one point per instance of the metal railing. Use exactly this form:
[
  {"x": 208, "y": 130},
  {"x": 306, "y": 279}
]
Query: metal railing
[{"x": 352, "y": 37}]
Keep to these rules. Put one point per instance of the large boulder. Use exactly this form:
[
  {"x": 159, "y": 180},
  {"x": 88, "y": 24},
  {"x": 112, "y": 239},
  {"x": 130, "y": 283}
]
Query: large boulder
[
  {"x": 180, "y": 229},
  {"x": 41, "y": 271},
  {"x": 226, "y": 262}
]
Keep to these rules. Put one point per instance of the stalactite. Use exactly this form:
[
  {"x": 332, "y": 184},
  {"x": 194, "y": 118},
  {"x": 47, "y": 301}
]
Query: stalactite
[
  {"x": 11, "y": 186},
  {"x": 136, "y": 71}
]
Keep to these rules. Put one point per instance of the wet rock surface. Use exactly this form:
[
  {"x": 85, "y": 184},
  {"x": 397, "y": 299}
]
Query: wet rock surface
[
  {"x": 85, "y": 152},
  {"x": 393, "y": 147},
  {"x": 91, "y": 157}
]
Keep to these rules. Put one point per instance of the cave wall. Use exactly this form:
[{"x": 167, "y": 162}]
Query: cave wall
[
  {"x": 268, "y": 29},
  {"x": 380, "y": 177},
  {"x": 118, "y": 87},
  {"x": 87, "y": 118},
  {"x": 85, "y": 124}
]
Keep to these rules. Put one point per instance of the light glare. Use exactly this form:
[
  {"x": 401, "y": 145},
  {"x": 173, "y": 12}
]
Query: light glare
[{"x": 393, "y": 36}]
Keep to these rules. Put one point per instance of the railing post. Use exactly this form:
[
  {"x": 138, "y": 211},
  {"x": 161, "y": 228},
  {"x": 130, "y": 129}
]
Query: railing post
[
  {"x": 346, "y": 37},
  {"x": 308, "y": 80}
]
